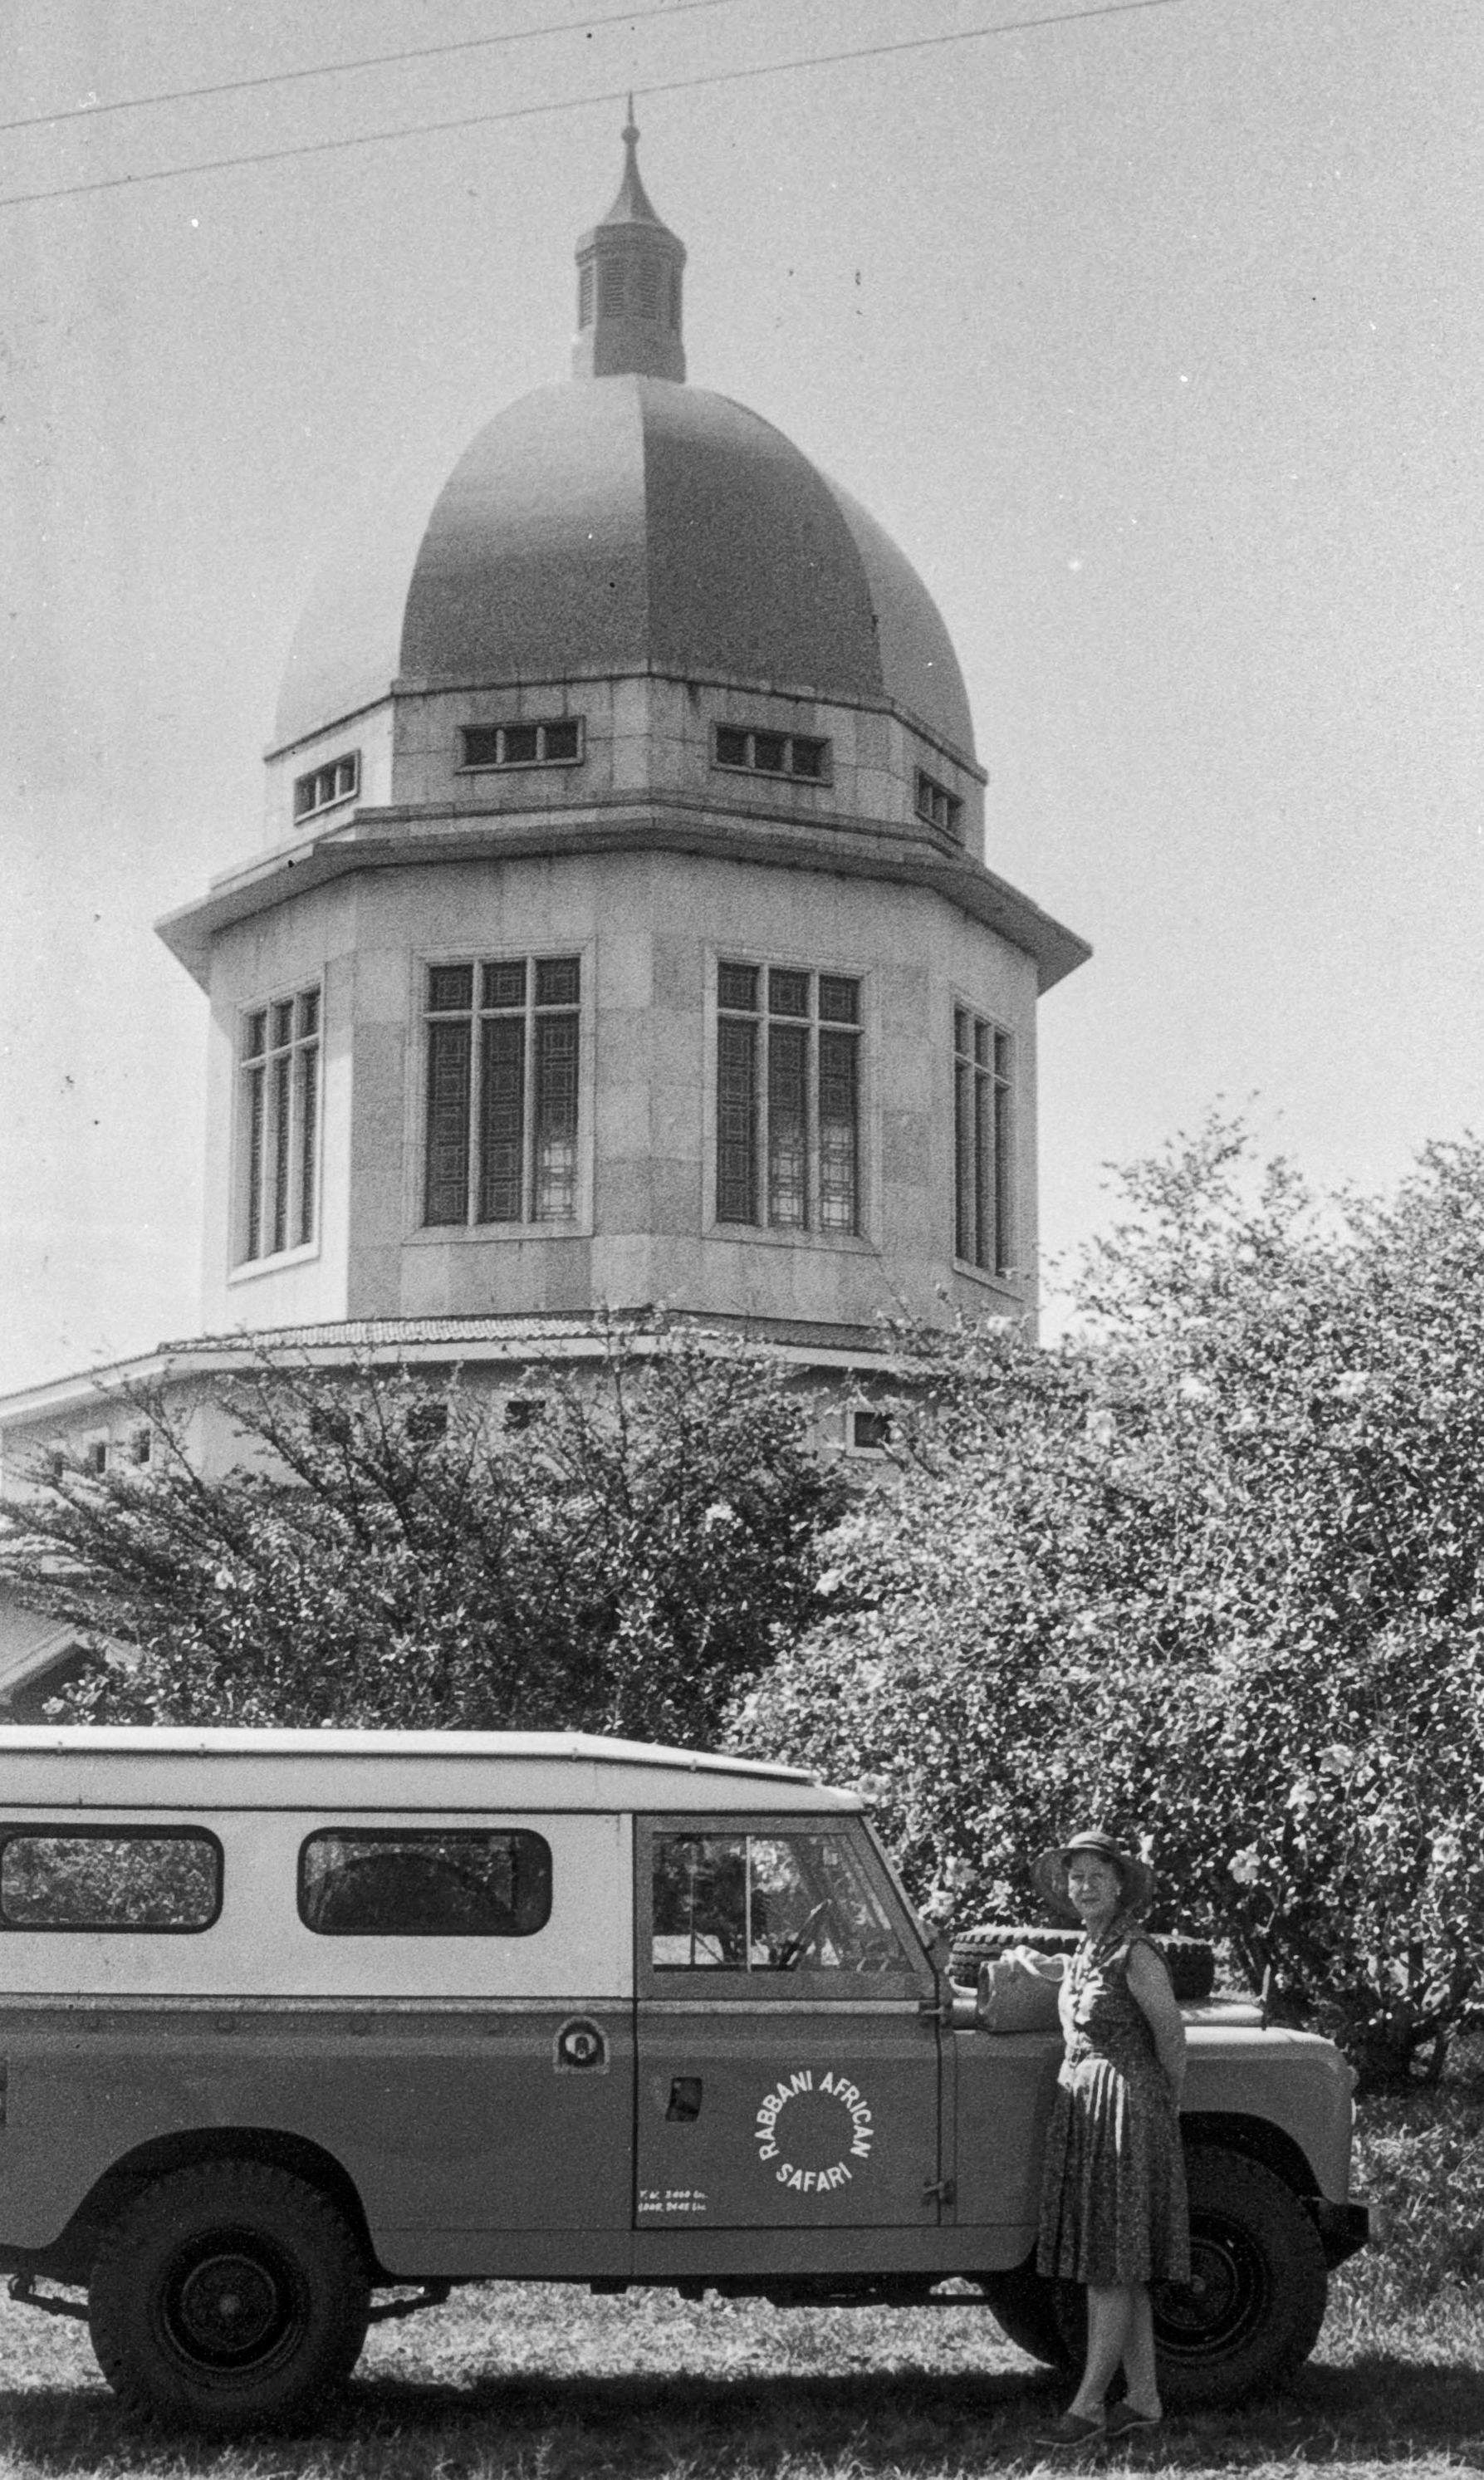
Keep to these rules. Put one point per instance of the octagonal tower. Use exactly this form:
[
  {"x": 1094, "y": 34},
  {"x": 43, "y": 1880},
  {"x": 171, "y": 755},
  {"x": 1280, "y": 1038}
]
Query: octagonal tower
[{"x": 622, "y": 932}]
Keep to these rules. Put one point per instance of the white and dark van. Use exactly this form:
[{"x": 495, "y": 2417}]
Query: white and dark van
[{"x": 291, "y": 2019}]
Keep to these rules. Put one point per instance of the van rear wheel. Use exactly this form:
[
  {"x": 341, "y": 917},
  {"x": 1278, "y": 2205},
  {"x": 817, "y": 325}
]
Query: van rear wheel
[{"x": 232, "y": 2296}]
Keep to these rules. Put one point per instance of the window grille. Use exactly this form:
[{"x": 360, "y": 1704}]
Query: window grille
[
  {"x": 788, "y": 1099},
  {"x": 280, "y": 1126},
  {"x": 503, "y": 1070},
  {"x": 984, "y": 1219}
]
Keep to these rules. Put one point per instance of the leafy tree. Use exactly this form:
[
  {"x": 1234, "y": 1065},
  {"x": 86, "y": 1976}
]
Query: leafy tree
[
  {"x": 1213, "y": 1572},
  {"x": 385, "y": 1554}
]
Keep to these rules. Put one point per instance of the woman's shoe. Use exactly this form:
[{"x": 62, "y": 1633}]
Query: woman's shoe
[
  {"x": 1072, "y": 2428},
  {"x": 1123, "y": 2420}
]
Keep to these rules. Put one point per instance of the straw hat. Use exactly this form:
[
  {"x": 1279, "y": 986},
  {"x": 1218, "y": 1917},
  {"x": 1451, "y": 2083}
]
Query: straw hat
[{"x": 1049, "y": 1874}]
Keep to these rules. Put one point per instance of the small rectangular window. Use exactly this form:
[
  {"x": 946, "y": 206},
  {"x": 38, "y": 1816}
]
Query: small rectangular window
[
  {"x": 327, "y": 785},
  {"x": 371, "y": 1881},
  {"x": 161, "y": 1878},
  {"x": 870, "y": 1433},
  {"x": 557, "y": 742},
  {"x": 940, "y": 808},
  {"x": 95, "y": 1457},
  {"x": 772, "y": 753}
]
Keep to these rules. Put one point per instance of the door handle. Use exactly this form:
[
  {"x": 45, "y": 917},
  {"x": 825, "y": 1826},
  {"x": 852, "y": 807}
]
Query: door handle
[{"x": 685, "y": 2098}]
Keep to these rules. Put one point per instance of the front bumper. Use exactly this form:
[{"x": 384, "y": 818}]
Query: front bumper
[{"x": 1343, "y": 2228}]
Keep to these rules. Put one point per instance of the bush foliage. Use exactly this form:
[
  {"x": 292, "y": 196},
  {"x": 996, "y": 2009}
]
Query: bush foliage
[
  {"x": 1419, "y": 2161},
  {"x": 1212, "y": 1574},
  {"x": 386, "y": 1554}
]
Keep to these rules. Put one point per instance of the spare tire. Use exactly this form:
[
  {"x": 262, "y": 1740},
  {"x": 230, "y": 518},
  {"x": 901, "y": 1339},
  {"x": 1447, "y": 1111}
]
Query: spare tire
[{"x": 1191, "y": 1961}]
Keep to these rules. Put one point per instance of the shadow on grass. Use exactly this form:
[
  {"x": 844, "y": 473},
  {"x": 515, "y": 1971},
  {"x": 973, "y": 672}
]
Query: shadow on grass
[{"x": 1378, "y": 2411}]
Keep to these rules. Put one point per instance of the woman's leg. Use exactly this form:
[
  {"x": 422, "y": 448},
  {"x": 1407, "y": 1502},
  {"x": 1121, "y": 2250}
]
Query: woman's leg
[
  {"x": 1143, "y": 2384},
  {"x": 1110, "y": 2311}
]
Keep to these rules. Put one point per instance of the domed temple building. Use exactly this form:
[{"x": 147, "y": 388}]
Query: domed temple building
[{"x": 620, "y": 934}]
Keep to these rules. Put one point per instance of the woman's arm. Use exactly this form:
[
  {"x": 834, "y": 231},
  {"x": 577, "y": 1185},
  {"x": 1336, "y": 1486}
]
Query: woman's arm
[{"x": 1150, "y": 1987}]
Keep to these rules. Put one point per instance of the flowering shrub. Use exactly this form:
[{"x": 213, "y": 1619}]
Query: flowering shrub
[
  {"x": 1212, "y": 1575},
  {"x": 387, "y": 1554}
]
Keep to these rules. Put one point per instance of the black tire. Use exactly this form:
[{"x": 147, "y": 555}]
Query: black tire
[
  {"x": 1255, "y": 2302},
  {"x": 1191, "y": 1961},
  {"x": 1025, "y": 2307},
  {"x": 229, "y": 2296}
]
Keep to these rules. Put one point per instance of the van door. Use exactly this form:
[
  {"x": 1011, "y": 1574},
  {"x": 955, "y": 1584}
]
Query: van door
[{"x": 787, "y": 2077}]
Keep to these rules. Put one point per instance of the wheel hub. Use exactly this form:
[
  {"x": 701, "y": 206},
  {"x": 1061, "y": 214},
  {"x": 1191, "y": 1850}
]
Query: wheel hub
[
  {"x": 1222, "y": 2297},
  {"x": 227, "y": 2308}
]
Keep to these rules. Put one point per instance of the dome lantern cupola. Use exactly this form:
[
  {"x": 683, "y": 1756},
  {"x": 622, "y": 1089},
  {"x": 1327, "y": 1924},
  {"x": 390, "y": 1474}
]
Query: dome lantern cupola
[{"x": 628, "y": 286}]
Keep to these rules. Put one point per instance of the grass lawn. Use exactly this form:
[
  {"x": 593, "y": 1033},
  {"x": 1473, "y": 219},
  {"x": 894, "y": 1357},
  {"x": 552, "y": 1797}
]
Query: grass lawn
[{"x": 546, "y": 2384}]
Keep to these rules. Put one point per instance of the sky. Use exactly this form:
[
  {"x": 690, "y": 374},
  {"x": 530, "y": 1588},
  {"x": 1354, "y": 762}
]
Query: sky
[{"x": 1155, "y": 338}]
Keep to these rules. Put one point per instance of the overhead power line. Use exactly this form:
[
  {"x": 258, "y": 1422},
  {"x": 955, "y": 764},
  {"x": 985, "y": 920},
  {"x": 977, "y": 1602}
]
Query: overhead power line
[
  {"x": 369, "y": 60},
  {"x": 583, "y": 103}
]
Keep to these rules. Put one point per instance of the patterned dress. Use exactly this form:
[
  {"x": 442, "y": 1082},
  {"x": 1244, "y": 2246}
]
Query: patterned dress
[{"x": 1112, "y": 2189}]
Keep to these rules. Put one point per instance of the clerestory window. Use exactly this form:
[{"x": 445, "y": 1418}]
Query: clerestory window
[
  {"x": 278, "y": 1126},
  {"x": 983, "y": 1203},
  {"x": 557, "y": 742},
  {"x": 940, "y": 808},
  {"x": 750, "y": 751},
  {"x": 327, "y": 787},
  {"x": 787, "y": 1097},
  {"x": 503, "y": 1056}
]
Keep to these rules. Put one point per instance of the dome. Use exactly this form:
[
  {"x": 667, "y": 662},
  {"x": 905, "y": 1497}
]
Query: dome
[{"x": 618, "y": 524}]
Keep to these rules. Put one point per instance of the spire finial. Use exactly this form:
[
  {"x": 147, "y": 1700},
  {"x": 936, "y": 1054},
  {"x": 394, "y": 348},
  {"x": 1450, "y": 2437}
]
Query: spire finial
[{"x": 629, "y": 284}]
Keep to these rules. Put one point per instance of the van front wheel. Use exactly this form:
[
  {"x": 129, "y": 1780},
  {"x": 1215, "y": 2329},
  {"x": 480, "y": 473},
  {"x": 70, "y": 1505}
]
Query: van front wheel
[{"x": 232, "y": 2296}]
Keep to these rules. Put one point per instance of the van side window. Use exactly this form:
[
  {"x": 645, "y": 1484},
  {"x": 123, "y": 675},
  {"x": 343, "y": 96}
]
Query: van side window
[
  {"x": 769, "y": 1902},
  {"x": 368, "y": 1881},
  {"x": 109, "y": 1878}
]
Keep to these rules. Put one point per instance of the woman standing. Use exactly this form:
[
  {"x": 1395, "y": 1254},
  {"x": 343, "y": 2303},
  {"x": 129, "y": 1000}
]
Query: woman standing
[{"x": 1114, "y": 2211}]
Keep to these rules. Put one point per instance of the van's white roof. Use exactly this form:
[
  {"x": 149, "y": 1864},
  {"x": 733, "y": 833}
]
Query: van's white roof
[{"x": 176, "y": 1767}]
